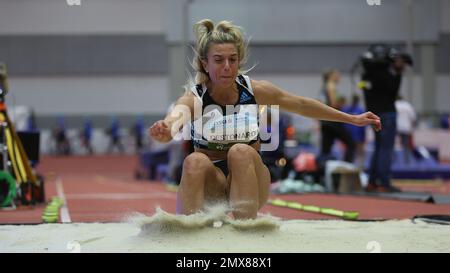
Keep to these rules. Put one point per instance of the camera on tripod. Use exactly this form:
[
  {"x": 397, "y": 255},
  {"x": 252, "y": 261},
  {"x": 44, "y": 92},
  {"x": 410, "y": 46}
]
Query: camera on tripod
[{"x": 380, "y": 56}]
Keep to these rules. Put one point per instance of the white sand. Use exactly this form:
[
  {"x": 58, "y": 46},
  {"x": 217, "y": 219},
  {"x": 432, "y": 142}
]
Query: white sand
[
  {"x": 214, "y": 216},
  {"x": 290, "y": 236}
]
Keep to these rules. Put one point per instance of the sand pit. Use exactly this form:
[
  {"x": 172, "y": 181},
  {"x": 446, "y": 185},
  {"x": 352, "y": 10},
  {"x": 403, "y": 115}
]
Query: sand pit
[{"x": 214, "y": 232}]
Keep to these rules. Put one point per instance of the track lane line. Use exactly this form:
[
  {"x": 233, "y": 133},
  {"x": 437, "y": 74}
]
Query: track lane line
[{"x": 65, "y": 216}]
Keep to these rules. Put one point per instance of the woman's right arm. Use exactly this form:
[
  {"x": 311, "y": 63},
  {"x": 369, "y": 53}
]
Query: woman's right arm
[{"x": 164, "y": 130}]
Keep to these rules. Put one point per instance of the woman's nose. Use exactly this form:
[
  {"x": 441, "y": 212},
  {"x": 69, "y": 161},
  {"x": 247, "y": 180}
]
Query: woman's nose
[{"x": 227, "y": 65}]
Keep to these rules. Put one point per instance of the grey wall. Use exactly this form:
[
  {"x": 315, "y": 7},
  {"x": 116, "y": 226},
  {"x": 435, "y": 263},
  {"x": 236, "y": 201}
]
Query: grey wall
[
  {"x": 36, "y": 55},
  {"x": 88, "y": 95},
  {"x": 312, "y": 21},
  {"x": 84, "y": 54},
  {"x": 99, "y": 36},
  {"x": 444, "y": 18},
  {"x": 112, "y": 36},
  {"x": 114, "y": 57},
  {"x": 18, "y": 17}
]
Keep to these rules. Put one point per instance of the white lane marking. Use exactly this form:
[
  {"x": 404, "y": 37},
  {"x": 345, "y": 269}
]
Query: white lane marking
[{"x": 65, "y": 216}]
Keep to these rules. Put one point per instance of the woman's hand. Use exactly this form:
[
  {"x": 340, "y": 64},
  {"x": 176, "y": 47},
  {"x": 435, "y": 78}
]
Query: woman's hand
[
  {"x": 160, "y": 131},
  {"x": 366, "y": 119}
]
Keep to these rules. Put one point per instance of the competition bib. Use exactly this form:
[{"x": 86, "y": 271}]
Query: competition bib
[{"x": 222, "y": 131}]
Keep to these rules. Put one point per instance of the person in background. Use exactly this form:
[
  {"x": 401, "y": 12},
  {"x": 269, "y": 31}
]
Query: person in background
[
  {"x": 86, "y": 136},
  {"x": 60, "y": 136},
  {"x": 445, "y": 121},
  {"x": 358, "y": 133},
  {"x": 114, "y": 134},
  {"x": 406, "y": 121},
  {"x": 331, "y": 130},
  {"x": 381, "y": 87},
  {"x": 138, "y": 132}
]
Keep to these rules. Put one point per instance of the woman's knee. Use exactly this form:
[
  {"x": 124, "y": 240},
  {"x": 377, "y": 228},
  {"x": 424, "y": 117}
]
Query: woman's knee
[
  {"x": 195, "y": 163},
  {"x": 241, "y": 153}
]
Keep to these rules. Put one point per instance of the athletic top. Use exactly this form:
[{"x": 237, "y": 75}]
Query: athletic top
[{"x": 221, "y": 126}]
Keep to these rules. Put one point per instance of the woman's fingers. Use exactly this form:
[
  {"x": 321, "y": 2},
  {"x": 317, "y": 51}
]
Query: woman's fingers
[
  {"x": 159, "y": 130},
  {"x": 377, "y": 125},
  {"x": 377, "y": 121},
  {"x": 154, "y": 130},
  {"x": 374, "y": 120}
]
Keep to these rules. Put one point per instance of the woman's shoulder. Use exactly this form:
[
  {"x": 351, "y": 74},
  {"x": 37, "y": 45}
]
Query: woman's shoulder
[
  {"x": 188, "y": 99},
  {"x": 259, "y": 84},
  {"x": 266, "y": 92}
]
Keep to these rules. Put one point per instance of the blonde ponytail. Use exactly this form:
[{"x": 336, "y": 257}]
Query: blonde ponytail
[{"x": 224, "y": 32}]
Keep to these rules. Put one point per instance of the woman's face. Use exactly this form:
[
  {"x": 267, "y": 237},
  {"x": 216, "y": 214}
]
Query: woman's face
[
  {"x": 335, "y": 76},
  {"x": 222, "y": 64}
]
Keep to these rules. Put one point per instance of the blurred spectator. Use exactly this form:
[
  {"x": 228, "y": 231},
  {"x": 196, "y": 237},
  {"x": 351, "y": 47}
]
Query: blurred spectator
[
  {"x": 114, "y": 134},
  {"x": 61, "y": 140},
  {"x": 406, "y": 121},
  {"x": 86, "y": 136},
  {"x": 331, "y": 130},
  {"x": 381, "y": 85},
  {"x": 31, "y": 122},
  {"x": 138, "y": 131},
  {"x": 358, "y": 133},
  {"x": 445, "y": 121},
  {"x": 276, "y": 160}
]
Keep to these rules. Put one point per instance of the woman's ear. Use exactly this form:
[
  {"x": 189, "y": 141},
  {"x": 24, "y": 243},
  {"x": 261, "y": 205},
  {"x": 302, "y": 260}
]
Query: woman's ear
[{"x": 204, "y": 64}]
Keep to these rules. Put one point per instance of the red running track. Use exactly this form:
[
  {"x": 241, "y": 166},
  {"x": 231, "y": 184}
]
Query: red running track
[{"x": 102, "y": 189}]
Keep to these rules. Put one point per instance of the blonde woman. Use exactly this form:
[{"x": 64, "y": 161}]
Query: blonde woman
[{"x": 222, "y": 168}]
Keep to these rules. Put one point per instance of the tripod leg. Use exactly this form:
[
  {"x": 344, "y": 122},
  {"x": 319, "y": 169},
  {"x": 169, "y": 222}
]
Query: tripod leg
[{"x": 23, "y": 155}]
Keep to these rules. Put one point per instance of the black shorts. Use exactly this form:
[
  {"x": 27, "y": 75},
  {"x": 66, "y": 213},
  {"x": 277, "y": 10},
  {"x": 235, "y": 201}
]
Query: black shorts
[{"x": 223, "y": 165}]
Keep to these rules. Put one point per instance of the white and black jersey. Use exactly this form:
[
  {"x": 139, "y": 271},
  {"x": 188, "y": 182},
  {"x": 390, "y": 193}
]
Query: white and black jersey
[{"x": 221, "y": 126}]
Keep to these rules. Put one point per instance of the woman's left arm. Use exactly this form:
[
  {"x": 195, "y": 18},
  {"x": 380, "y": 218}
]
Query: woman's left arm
[{"x": 267, "y": 93}]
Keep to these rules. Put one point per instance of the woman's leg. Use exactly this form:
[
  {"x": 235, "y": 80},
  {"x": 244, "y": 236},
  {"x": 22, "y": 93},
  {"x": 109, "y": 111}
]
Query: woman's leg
[
  {"x": 249, "y": 181},
  {"x": 200, "y": 181}
]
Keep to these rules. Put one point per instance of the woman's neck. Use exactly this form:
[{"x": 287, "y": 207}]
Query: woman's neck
[
  {"x": 224, "y": 96},
  {"x": 221, "y": 92}
]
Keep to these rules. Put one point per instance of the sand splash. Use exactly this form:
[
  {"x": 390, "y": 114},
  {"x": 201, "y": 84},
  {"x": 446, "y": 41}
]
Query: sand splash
[{"x": 216, "y": 216}]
